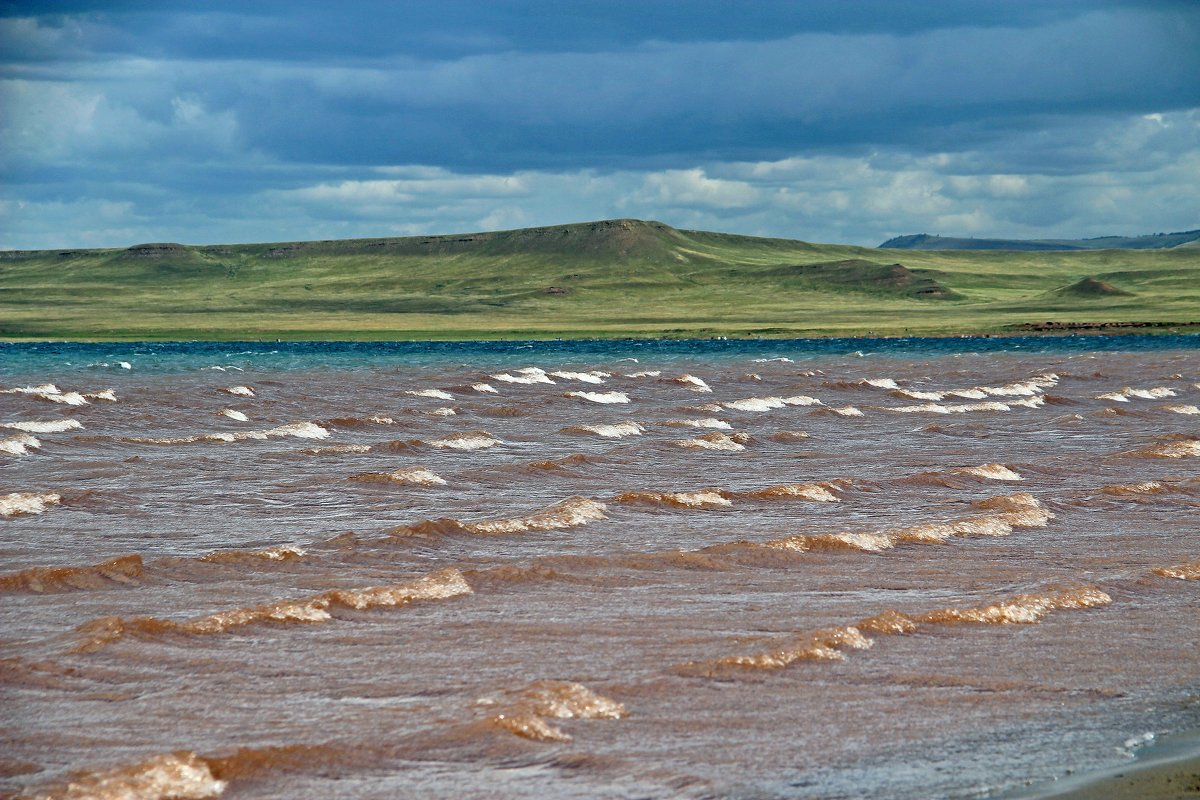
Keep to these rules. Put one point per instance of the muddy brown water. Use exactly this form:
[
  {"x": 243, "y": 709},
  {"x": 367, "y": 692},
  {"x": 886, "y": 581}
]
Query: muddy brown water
[{"x": 840, "y": 577}]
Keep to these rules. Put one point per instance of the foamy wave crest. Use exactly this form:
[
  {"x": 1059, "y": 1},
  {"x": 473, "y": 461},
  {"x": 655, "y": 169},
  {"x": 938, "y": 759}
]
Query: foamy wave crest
[
  {"x": 300, "y": 430},
  {"x": 595, "y": 376},
  {"x": 526, "y": 715},
  {"x": 600, "y": 397},
  {"x": 991, "y": 472},
  {"x": 880, "y": 383},
  {"x": 780, "y": 360},
  {"x": 705, "y": 498},
  {"x": 822, "y": 492},
  {"x": 443, "y": 412},
  {"x": 716, "y": 441},
  {"x": 848, "y": 411},
  {"x": 1025, "y": 609},
  {"x": 51, "y": 426},
  {"x": 913, "y": 394},
  {"x": 650, "y": 373},
  {"x": 770, "y": 403},
  {"x": 614, "y": 431},
  {"x": 434, "y": 393},
  {"x": 337, "y": 449},
  {"x": 956, "y": 408},
  {"x": 123, "y": 569},
  {"x": 45, "y": 388},
  {"x": 1172, "y": 448},
  {"x": 1007, "y": 512},
  {"x": 440, "y": 585},
  {"x": 26, "y": 503},
  {"x": 473, "y": 440},
  {"x": 569, "y": 513},
  {"x": 485, "y": 388},
  {"x": 693, "y": 383},
  {"x": 66, "y": 398},
  {"x": 233, "y": 414},
  {"x": 787, "y": 437},
  {"x": 240, "y": 391},
  {"x": 19, "y": 445},
  {"x": 181, "y": 775},
  {"x": 283, "y": 552},
  {"x": 527, "y": 375},
  {"x": 106, "y": 394},
  {"x": 413, "y": 476},
  {"x": 718, "y": 424},
  {"x": 1186, "y": 572},
  {"x": 831, "y": 644},
  {"x": 1190, "y": 410}
]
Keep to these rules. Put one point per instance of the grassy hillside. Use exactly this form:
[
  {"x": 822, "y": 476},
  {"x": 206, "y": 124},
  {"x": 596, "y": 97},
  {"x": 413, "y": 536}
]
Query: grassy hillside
[{"x": 613, "y": 278}]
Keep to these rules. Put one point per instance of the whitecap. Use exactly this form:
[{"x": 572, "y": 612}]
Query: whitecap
[{"x": 600, "y": 397}]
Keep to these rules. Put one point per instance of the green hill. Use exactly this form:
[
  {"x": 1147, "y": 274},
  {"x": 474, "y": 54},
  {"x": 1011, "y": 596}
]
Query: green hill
[{"x": 609, "y": 278}]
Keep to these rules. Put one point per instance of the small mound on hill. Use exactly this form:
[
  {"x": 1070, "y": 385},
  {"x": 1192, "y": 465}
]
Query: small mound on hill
[
  {"x": 1091, "y": 286},
  {"x": 859, "y": 275}
]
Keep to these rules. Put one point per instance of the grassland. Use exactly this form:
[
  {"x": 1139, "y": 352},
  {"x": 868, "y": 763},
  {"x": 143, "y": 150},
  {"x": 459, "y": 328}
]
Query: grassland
[{"x": 604, "y": 279}]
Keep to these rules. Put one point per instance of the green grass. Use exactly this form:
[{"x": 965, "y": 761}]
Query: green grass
[{"x": 607, "y": 279}]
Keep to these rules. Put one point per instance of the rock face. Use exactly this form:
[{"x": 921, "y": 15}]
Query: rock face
[{"x": 158, "y": 250}]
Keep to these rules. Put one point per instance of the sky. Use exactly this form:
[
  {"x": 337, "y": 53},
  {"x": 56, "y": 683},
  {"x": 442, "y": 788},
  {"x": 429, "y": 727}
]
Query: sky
[{"x": 230, "y": 121}]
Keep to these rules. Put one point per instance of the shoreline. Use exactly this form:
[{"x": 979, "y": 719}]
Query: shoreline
[
  {"x": 1167, "y": 770},
  {"x": 1033, "y": 331}
]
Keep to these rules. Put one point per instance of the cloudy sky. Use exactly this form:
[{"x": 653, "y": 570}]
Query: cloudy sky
[{"x": 849, "y": 121}]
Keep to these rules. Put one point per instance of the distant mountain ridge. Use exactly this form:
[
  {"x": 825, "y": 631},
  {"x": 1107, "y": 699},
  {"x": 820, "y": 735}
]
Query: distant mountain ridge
[{"x": 1154, "y": 241}]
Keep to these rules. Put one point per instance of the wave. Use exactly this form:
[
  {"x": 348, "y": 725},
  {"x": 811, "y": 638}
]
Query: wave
[
  {"x": 718, "y": 424},
  {"x": 446, "y": 583},
  {"x": 434, "y": 393},
  {"x": 569, "y": 513},
  {"x": 49, "y": 426},
  {"x": 787, "y": 437},
  {"x": 595, "y": 376},
  {"x": 880, "y": 383},
  {"x": 1187, "y": 572},
  {"x": 472, "y": 440},
  {"x": 613, "y": 431},
  {"x": 1124, "y": 395},
  {"x": 27, "y": 503},
  {"x": 600, "y": 397},
  {"x": 1008, "y": 512},
  {"x": 1170, "y": 448},
  {"x": 234, "y": 414},
  {"x": 298, "y": 430},
  {"x": 693, "y": 383},
  {"x": 770, "y": 403},
  {"x": 361, "y": 422},
  {"x": 181, "y": 775},
  {"x": 956, "y": 408},
  {"x": 485, "y": 388},
  {"x": 283, "y": 552},
  {"x": 528, "y": 375},
  {"x": 337, "y": 449},
  {"x": 527, "y": 714},
  {"x": 1189, "y": 410},
  {"x": 716, "y": 441},
  {"x": 240, "y": 391},
  {"x": 821, "y": 492},
  {"x": 123, "y": 570},
  {"x": 831, "y": 644},
  {"x": 705, "y": 498},
  {"x": 650, "y": 373},
  {"x": 19, "y": 445},
  {"x": 949, "y": 479},
  {"x": 413, "y": 476}
]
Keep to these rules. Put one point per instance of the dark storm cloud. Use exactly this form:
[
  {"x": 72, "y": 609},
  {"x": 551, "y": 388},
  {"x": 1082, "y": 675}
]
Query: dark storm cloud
[{"x": 201, "y": 108}]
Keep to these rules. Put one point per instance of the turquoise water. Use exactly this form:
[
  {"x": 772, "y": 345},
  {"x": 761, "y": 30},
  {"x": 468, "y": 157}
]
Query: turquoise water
[{"x": 22, "y": 358}]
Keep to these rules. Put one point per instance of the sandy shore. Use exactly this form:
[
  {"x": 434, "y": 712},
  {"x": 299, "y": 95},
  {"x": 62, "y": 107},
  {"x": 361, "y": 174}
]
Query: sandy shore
[{"x": 1167, "y": 771}]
